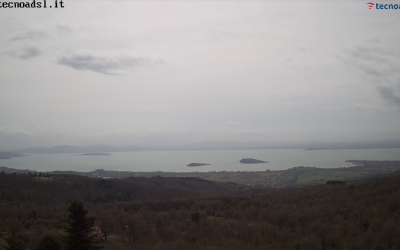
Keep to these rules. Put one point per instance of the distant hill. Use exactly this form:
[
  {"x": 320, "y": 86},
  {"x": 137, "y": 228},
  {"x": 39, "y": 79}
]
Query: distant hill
[
  {"x": 95, "y": 154},
  {"x": 109, "y": 190},
  {"x": 355, "y": 145},
  {"x": 232, "y": 145},
  {"x": 99, "y": 148},
  {"x": 220, "y": 145},
  {"x": 211, "y": 145}
]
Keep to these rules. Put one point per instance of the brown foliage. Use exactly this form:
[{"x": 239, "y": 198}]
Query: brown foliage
[{"x": 164, "y": 213}]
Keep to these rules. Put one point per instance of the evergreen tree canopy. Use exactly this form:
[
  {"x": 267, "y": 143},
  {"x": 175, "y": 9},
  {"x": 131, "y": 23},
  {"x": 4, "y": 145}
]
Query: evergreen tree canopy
[
  {"x": 49, "y": 243},
  {"x": 79, "y": 229},
  {"x": 14, "y": 243}
]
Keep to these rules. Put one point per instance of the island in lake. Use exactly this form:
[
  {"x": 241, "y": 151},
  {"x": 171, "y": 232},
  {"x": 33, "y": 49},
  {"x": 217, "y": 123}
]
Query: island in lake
[
  {"x": 197, "y": 164},
  {"x": 251, "y": 161},
  {"x": 95, "y": 154}
]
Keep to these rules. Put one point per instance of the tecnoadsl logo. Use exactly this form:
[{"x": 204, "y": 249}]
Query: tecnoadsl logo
[{"x": 383, "y": 6}]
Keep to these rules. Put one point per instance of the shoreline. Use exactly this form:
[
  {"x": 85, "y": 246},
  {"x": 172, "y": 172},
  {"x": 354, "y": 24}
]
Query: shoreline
[{"x": 296, "y": 176}]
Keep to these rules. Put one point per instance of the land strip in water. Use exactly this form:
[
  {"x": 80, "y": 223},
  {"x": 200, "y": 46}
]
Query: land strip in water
[{"x": 297, "y": 176}]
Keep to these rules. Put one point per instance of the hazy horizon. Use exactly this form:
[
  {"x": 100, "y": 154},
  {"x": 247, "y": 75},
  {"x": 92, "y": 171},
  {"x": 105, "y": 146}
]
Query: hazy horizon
[
  {"x": 179, "y": 72},
  {"x": 206, "y": 145}
]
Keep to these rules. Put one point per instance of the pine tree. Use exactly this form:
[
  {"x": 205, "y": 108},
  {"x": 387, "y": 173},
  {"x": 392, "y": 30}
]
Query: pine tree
[{"x": 79, "y": 229}]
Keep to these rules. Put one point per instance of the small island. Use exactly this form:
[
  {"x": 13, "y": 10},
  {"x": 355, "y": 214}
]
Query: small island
[
  {"x": 251, "y": 161},
  {"x": 95, "y": 154},
  {"x": 197, "y": 164}
]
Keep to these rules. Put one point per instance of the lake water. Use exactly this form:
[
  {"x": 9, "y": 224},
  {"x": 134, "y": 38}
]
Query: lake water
[{"x": 176, "y": 161}]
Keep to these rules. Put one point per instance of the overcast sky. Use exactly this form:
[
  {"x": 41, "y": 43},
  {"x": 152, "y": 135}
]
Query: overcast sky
[{"x": 160, "y": 72}]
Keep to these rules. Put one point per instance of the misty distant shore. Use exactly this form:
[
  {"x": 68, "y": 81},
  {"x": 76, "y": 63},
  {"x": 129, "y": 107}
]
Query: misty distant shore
[
  {"x": 95, "y": 154},
  {"x": 208, "y": 145},
  {"x": 61, "y": 149}
]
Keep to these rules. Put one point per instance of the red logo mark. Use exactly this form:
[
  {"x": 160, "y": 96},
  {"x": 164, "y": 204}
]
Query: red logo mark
[{"x": 370, "y": 5}]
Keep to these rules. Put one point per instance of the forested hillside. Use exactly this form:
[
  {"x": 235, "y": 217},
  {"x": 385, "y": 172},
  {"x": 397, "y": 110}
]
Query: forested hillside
[{"x": 189, "y": 213}]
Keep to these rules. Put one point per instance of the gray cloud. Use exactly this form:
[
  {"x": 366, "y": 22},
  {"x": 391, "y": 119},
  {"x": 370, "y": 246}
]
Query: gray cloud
[
  {"x": 14, "y": 130},
  {"x": 99, "y": 64},
  {"x": 382, "y": 65},
  {"x": 389, "y": 94},
  {"x": 225, "y": 66},
  {"x": 25, "y": 53},
  {"x": 29, "y": 35},
  {"x": 63, "y": 28}
]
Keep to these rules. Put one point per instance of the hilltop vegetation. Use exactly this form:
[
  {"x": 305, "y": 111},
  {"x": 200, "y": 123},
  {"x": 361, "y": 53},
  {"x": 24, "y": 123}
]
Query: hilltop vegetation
[{"x": 191, "y": 213}]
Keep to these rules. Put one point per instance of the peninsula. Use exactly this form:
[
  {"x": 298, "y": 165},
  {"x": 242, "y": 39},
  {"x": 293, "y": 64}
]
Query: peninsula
[{"x": 8, "y": 155}]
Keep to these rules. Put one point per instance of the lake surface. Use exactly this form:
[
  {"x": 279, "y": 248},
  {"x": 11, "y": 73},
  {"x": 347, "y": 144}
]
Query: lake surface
[{"x": 176, "y": 161}]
